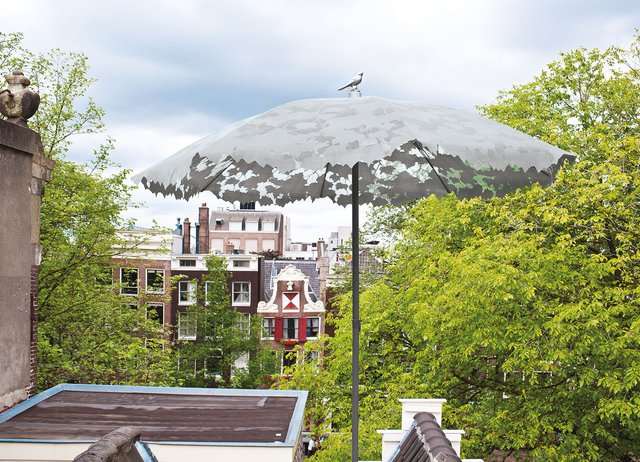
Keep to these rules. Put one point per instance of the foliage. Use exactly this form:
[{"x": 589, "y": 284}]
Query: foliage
[
  {"x": 259, "y": 371},
  {"x": 61, "y": 79},
  {"x": 223, "y": 335},
  {"x": 522, "y": 312},
  {"x": 269, "y": 254},
  {"x": 86, "y": 331}
]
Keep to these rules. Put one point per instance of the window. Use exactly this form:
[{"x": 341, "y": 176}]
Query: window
[
  {"x": 241, "y": 263},
  {"x": 311, "y": 356},
  {"x": 186, "y": 292},
  {"x": 208, "y": 285},
  {"x": 289, "y": 360},
  {"x": 313, "y": 327},
  {"x": 243, "y": 322},
  {"x": 290, "y": 328},
  {"x": 251, "y": 226},
  {"x": 187, "y": 263},
  {"x": 217, "y": 245},
  {"x": 251, "y": 245},
  {"x": 241, "y": 293},
  {"x": 269, "y": 226},
  {"x": 268, "y": 328},
  {"x": 155, "y": 281},
  {"x": 156, "y": 312},
  {"x": 235, "y": 226},
  {"x": 129, "y": 281},
  {"x": 187, "y": 327},
  {"x": 213, "y": 364}
]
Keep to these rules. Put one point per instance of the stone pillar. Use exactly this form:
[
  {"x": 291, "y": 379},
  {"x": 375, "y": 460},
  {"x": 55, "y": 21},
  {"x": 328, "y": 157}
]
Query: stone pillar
[{"x": 23, "y": 173}]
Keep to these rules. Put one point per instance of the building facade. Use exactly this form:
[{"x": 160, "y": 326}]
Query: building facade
[
  {"x": 142, "y": 272},
  {"x": 247, "y": 231},
  {"x": 244, "y": 286},
  {"x": 293, "y": 314}
]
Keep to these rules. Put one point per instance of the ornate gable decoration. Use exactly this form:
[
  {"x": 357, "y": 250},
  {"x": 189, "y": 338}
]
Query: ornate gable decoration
[{"x": 291, "y": 290}]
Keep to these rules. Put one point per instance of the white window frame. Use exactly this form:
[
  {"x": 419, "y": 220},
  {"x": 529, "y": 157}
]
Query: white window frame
[
  {"x": 285, "y": 328},
  {"x": 236, "y": 292},
  {"x": 293, "y": 356},
  {"x": 187, "y": 326},
  {"x": 190, "y": 289},
  {"x": 268, "y": 224},
  {"x": 268, "y": 328},
  {"x": 317, "y": 327},
  {"x": 244, "y": 322},
  {"x": 123, "y": 287},
  {"x": 236, "y": 225},
  {"x": 250, "y": 245},
  {"x": 150, "y": 289},
  {"x": 206, "y": 291}
]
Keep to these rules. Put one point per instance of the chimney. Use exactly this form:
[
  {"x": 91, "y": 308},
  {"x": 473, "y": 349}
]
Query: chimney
[
  {"x": 186, "y": 236},
  {"x": 229, "y": 247},
  {"x": 178, "y": 230},
  {"x": 320, "y": 248},
  {"x": 203, "y": 237}
]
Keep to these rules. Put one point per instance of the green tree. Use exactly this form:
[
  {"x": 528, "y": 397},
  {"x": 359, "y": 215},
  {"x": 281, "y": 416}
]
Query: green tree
[
  {"x": 224, "y": 335},
  {"x": 86, "y": 331},
  {"x": 522, "y": 312}
]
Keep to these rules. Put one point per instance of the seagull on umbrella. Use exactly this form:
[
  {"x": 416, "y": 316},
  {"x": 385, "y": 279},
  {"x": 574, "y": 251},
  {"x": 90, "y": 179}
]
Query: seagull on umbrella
[{"x": 353, "y": 83}]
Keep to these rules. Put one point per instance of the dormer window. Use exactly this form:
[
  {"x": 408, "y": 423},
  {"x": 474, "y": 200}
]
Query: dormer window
[{"x": 269, "y": 226}]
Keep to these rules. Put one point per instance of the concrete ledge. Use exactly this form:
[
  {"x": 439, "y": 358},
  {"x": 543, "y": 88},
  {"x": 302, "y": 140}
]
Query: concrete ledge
[
  {"x": 10, "y": 399},
  {"x": 113, "y": 447},
  {"x": 20, "y": 138}
]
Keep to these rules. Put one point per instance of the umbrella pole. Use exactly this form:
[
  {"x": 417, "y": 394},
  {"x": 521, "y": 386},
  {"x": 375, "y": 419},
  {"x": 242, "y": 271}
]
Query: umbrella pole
[{"x": 355, "y": 274}]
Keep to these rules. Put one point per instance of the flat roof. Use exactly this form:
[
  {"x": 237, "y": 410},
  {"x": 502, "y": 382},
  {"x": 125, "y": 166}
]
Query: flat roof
[{"x": 70, "y": 412}]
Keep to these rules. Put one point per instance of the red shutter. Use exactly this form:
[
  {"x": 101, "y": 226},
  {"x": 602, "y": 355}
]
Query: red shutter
[
  {"x": 278, "y": 330},
  {"x": 302, "y": 329}
]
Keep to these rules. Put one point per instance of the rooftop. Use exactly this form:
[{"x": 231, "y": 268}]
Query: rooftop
[
  {"x": 88, "y": 412},
  {"x": 272, "y": 268}
]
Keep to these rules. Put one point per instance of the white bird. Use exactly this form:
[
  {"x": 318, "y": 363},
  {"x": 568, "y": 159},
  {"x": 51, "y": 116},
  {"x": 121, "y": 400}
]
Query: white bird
[{"x": 353, "y": 83}]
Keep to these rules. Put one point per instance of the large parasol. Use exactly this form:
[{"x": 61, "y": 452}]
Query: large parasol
[{"x": 354, "y": 151}]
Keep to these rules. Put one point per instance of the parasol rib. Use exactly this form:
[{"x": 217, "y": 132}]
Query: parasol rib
[{"x": 424, "y": 151}]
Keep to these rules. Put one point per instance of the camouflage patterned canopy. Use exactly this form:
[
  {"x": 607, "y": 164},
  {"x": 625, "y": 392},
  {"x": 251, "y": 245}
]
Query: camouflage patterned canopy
[{"x": 306, "y": 149}]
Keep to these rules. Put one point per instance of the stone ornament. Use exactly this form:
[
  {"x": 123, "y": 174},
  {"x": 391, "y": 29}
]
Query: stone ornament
[{"x": 18, "y": 103}]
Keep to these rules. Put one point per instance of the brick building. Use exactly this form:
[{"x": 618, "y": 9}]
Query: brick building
[
  {"x": 244, "y": 286},
  {"x": 247, "y": 230},
  {"x": 293, "y": 313},
  {"x": 142, "y": 271}
]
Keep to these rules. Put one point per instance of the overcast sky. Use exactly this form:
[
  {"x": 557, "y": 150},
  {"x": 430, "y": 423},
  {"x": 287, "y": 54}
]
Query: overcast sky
[{"x": 171, "y": 72}]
